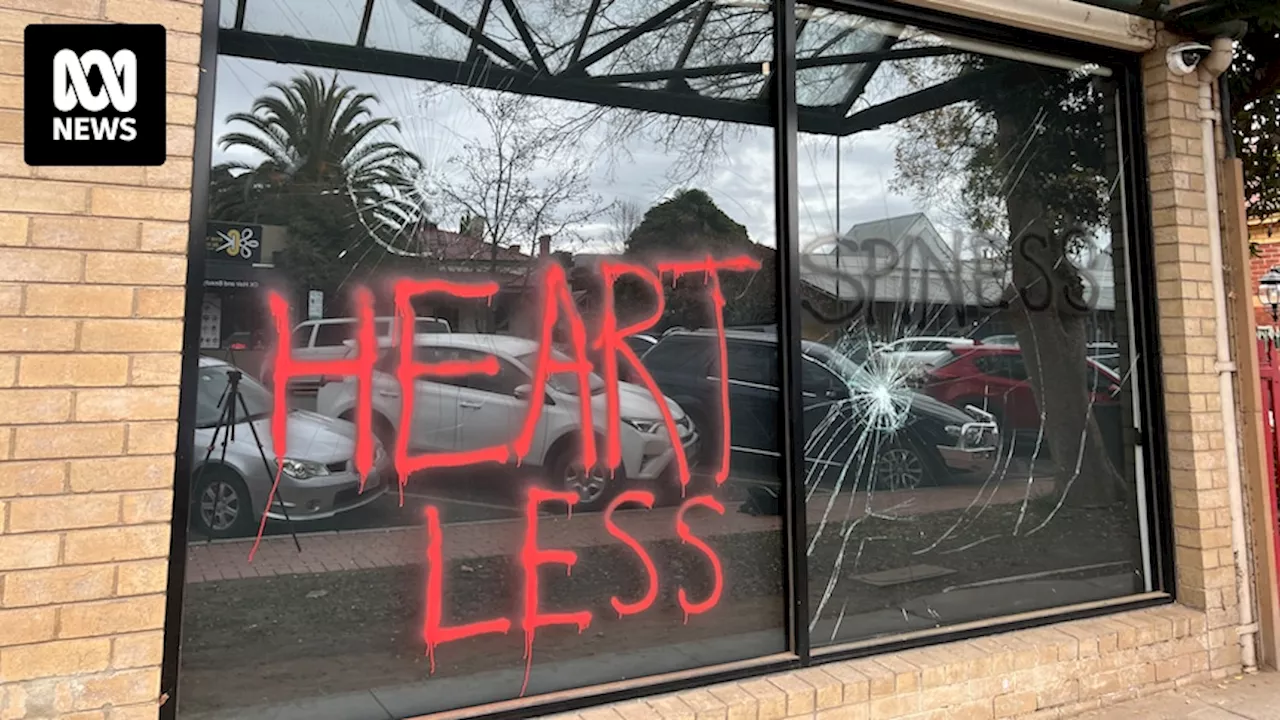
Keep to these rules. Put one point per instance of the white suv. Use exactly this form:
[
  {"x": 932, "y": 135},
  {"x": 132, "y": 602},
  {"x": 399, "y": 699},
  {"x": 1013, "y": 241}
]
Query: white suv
[
  {"x": 477, "y": 411},
  {"x": 326, "y": 339}
]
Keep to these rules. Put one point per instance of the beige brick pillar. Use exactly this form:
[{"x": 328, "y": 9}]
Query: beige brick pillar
[
  {"x": 92, "y": 266},
  {"x": 1202, "y": 522}
]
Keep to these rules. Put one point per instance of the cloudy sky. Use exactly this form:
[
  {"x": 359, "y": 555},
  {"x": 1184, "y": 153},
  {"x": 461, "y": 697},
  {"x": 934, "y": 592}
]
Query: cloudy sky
[{"x": 437, "y": 123}]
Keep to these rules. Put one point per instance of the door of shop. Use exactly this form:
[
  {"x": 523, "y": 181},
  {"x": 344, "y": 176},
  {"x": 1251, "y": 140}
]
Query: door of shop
[{"x": 1269, "y": 372}]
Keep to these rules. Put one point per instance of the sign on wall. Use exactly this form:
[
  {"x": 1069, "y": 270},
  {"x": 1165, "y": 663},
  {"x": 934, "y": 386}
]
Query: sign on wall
[
  {"x": 315, "y": 305},
  {"x": 234, "y": 242},
  {"x": 210, "y": 322}
]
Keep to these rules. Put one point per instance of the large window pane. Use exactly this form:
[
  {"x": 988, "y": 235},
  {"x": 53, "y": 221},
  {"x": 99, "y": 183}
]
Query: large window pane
[
  {"x": 967, "y": 375},
  {"x": 325, "y": 183}
]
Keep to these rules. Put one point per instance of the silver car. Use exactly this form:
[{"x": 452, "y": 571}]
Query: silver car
[{"x": 230, "y": 494}]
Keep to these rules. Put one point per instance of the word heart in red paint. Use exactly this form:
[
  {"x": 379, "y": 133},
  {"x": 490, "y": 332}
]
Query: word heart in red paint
[{"x": 558, "y": 310}]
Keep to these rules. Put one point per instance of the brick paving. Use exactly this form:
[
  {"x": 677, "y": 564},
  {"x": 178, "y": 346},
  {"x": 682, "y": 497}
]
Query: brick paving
[{"x": 402, "y": 546}]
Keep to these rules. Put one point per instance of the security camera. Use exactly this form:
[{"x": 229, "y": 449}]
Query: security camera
[{"x": 1184, "y": 58}]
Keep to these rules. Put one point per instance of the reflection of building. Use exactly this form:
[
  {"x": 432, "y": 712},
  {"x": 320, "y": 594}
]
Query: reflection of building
[
  {"x": 240, "y": 258},
  {"x": 901, "y": 276}
]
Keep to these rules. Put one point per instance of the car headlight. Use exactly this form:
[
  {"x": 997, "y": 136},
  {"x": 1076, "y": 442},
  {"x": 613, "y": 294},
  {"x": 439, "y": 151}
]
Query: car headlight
[
  {"x": 646, "y": 427},
  {"x": 303, "y": 469}
]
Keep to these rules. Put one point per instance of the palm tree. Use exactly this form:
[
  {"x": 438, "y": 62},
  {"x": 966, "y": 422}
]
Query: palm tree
[{"x": 315, "y": 139}]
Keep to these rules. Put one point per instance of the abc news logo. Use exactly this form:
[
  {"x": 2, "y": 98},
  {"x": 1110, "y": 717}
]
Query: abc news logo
[{"x": 94, "y": 95}]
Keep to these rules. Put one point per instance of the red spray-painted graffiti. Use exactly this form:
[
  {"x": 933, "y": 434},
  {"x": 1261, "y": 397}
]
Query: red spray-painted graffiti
[{"x": 557, "y": 310}]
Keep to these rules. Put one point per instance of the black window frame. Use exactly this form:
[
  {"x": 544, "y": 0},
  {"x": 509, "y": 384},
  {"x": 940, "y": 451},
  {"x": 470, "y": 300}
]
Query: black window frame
[{"x": 1139, "y": 259}]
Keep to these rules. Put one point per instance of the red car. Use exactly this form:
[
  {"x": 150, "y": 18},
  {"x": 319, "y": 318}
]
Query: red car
[{"x": 995, "y": 378}]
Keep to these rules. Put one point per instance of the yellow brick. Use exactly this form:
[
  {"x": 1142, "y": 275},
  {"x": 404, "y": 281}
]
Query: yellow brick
[
  {"x": 152, "y": 438},
  {"x": 108, "y": 617},
  {"x": 79, "y": 370},
  {"x": 143, "y": 577},
  {"x": 180, "y": 141},
  {"x": 140, "y": 202},
  {"x": 800, "y": 695},
  {"x": 118, "y": 543},
  {"x": 180, "y": 110},
  {"x": 79, "y": 301},
  {"x": 1014, "y": 704},
  {"x": 182, "y": 79},
  {"x": 43, "y": 196},
  {"x": 11, "y": 92},
  {"x": 28, "y": 407},
  {"x": 894, "y": 706},
  {"x": 161, "y": 302},
  {"x": 10, "y": 120},
  {"x": 126, "y": 404},
  {"x": 8, "y": 370},
  {"x": 26, "y": 625},
  {"x": 146, "y": 711},
  {"x": 135, "y": 269},
  {"x": 137, "y": 650},
  {"x": 54, "y": 659},
  {"x": 184, "y": 17},
  {"x": 58, "y": 586},
  {"x": 25, "y": 552},
  {"x": 131, "y": 335},
  {"x": 13, "y": 230},
  {"x": 11, "y": 299},
  {"x": 113, "y": 688},
  {"x": 18, "y": 479},
  {"x": 85, "y": 9},
  {"x": 156, "y": 369},
  {"x": 121, "y": 473},
  {"x": 28, "y": 265},
  {"x": 37, "y": 334},
  {"x": 843, "y": 712},
  {"x": 85, "y": 233},
  {"x": 772, "y": 702},
  {"x": 165, "y": 237},
  {"x": 62, "y": 512},
  {"x": 151, "y": 506},
  {"x": 68, "y": 441},
  {"x": 95, "y": 174}
]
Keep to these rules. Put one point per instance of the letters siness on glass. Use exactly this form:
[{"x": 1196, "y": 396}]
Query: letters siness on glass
[{"x": 491, "y": 286}]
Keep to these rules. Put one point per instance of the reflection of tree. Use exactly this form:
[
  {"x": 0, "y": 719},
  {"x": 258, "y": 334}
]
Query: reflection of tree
[
  {"x": 1031, "y": 155},
  {"x": 322, "y": 174},
  {"x": 690, "y": 225},
  {"x": 526, "y": 177},
  {"x": 1254, "y": 81}
]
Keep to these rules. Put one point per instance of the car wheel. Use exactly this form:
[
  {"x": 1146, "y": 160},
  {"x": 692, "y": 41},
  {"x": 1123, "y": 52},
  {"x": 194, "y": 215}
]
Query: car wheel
[
  {"x": 220, "y": 504},
  {"x": 595, "y": 486},
  {"x": 899, "y": 466}
]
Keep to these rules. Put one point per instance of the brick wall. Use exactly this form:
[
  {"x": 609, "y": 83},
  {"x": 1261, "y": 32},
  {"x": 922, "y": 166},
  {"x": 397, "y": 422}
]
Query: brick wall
[
  {"x": 1266, "y": 236},
  {"x": 92, "y": 263}
]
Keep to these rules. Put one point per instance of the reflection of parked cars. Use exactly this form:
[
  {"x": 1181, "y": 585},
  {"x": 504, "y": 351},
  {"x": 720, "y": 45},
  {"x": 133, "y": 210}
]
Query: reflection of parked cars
[
  {"x": 996, "y": 378},
  {"x": 318, "y": 480},
  {"x": 477, "y": 411},
  {"x": 919, "y": 351},
  {"x": 325, "y": 339},
  {"x": 850, "y": 417}
]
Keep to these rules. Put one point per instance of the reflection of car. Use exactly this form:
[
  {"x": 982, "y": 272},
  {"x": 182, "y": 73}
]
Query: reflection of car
[
  {"x": 850, "y": 416},
  {"x": 325, "y": 339},
  {"x": 995, "y": 378},
  {"x": 1007, "y": 340},
  {"x": 318, "y": 480},
  {"x": 477, "y": 411},
  {"x": 919, "y": 350}
]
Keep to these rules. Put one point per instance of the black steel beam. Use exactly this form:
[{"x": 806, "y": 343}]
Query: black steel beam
[
  {"x": 479, "y": 38},
  {"x": 365, "y": 19},
  {"x": 613, "y": 45},
  {"x": 525, "y": 36},
  {"x": 487, "y": 75}
]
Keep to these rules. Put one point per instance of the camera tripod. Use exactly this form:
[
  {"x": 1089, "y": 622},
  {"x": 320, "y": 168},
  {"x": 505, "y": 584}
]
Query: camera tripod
[{"x": 233, "y": 405}]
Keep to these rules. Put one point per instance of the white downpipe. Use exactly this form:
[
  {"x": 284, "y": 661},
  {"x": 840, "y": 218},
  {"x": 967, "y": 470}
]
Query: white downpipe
[{"x": 1213, "y": 66}]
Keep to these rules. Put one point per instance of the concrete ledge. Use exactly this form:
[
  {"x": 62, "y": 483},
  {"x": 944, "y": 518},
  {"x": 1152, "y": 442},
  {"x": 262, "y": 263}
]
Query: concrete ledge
[{"x": 1051, "y": 672}]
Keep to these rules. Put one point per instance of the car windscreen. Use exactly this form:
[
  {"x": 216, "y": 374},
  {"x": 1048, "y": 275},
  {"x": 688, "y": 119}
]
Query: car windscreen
[
  {"x": 565, "y": 382},
  {"x": 211, "y": 399}
]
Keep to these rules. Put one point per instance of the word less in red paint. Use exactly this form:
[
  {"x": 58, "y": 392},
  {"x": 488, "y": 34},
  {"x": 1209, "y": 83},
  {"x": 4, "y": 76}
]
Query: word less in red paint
[
  {"x": 717, "y": 573},
  {"x": 646, "y": 499},
  {"x": 409, "y": 369},
  {"x": 531, "y": 558},
  {"x": 433, "y": 632}
]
